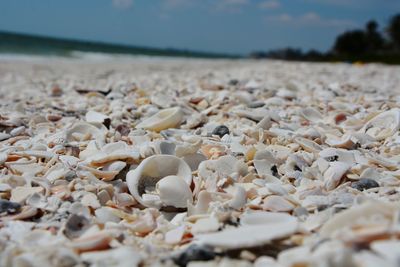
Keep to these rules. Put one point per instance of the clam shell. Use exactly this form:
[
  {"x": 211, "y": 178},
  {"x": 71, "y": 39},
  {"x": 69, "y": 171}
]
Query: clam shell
[
  {"x": 153, "y": 169},
  {"x": 164, "y": 119}
]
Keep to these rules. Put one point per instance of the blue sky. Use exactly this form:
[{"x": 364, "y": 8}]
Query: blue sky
[{"x": 232, "y": 26}]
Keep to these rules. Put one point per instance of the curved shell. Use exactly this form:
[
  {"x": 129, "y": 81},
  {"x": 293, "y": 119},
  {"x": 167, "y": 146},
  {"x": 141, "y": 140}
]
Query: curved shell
[
  {"x": 383, "y": 125},
  {"x": 164, "y": 119},
  {"x": 150, "y": 171}
]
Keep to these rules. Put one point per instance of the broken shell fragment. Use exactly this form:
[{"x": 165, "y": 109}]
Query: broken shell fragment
[{"x": 255, "y": 232}]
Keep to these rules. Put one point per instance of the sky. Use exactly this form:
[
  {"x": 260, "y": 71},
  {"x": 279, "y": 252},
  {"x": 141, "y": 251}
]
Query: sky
[{"x": 227, "y": 26}]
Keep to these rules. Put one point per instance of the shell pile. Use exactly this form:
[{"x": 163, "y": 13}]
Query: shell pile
[{"x": 173, "y": 162}]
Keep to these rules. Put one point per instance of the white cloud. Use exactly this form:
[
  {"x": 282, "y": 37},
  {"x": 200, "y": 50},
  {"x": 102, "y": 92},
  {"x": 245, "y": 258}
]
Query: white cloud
[
  {"x": 269, "y": 4},
  {"x": 122, "y": 4},
  {"x": 310, "y": 18}
]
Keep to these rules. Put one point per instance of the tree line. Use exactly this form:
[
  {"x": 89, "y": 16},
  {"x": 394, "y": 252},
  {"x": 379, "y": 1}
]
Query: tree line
[{"x": 367, "y": 45}]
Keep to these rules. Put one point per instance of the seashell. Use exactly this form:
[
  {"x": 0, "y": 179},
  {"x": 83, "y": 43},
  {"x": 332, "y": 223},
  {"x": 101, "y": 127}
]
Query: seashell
[
  {"x": 311, "y": 114},
  {"x": 20, "y": 193},
  {"x": 255, "y": 233},
  {"x": 371, "y": 212},
  {"x": 26, "y": 212},
  {"x": 263, "y": 162},
  {"x": 175, "y": 236},
  {"x": 383, "y": 125},
  {"x": 82, "y": 131},
  {"x": 262, "y": 217},
  {"x": 75, "y": 226},
  {"x": 203, "y": 201},
  {"x": 239, "y": 198},
  {"x": 4, "y": 136},
  {"x": 144, "y": 224},
  {"x": 194, "y": 160},
  {"x": 124, "y": 256},
  {"x": 32, "y": 168},
  {"x": 388, "y": 249},
  {"x": 343, "y": 142},
  {"x": 265, "y": 123},
  {"x": 333, "y": 175},
  {"x": 109, "y": 153},
  {"x": 205, "y": 225},
  {"x": 105, "y": 214},
  {"x": 164, "y": 119},
  {"x": 277, "y": 204},
  {"x": 308, "y": 145},
  {"x": 97, "y": 118},
  {"x": 150, "y": 171},
  {"x": 224, "y": 166},
  {"x": 97, "y": 241},
  {"x": 174, "y": 191}
]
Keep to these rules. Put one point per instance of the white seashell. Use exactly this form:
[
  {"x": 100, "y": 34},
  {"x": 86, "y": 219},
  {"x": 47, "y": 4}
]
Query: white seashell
[
  {"x": 205, "y": 225},
  {"x": 124, "y": 256},
  {"x": 277, "y": 204},
  {"x": 17, "y": 131},
  {"x": 263, "y": 162},
  {"x": 255, "y": 233},
  {"x": 95, "y": 117},
  {"x": 384, "y": 125},
  {"x": 174, "y": 191},
  {"x": 105, "y": 214},
  {"x": 83, "y": 131},
  {"x": 4, "y": 136},
  {"x": 308, "y": 145},
  {"x": 311, "y": 114},
  {"x": 262, "y": 217},
  {"x": 174, "y": 236},
  {"x": 32, "y": 168},
  {"x": 92, "y": 242},
  {"x": 194, "y": 160},
  {"x": 223, "y": 166},
  {"x": 239, "y": 198},
  {"x": 153, "y": 169},
  {"x": 334, "y": 174},
  {"x": 203, "y": 201},
  {"x": 265, "y": 123},
  {"x": 164, "y": 119},
  {"x": 388, "y": 249},
  {"x": 371, "y": 212},
  {"x": 20, "y": 194}
]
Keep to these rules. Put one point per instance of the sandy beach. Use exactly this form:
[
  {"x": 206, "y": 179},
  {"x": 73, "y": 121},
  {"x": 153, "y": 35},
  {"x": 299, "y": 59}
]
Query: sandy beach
[{"x": 146, "y": 161}]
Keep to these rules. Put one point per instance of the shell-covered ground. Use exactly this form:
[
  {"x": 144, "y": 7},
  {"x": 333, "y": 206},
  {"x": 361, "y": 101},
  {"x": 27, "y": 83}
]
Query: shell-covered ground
[{"x": 177, "y": 162}]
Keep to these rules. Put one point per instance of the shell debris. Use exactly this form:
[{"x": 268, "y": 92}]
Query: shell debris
[{"x": 199, "y": 163}]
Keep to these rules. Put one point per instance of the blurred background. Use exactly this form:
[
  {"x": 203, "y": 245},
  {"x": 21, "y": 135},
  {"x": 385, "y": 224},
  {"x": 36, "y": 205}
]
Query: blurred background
[{"x": 310, "y": 30}]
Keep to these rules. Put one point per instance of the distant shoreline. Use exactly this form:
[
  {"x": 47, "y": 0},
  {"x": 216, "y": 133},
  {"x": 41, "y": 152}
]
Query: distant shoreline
[{"x": 20, "y": 43}]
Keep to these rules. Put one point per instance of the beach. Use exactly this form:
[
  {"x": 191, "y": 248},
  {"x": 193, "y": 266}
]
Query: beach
[{"x": 161, "y": 161}]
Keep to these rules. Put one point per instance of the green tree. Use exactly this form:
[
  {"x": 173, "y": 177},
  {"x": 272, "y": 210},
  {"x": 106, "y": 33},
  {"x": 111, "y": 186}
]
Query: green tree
[
  {"x": 351, "y": 43},
  {"x": 394, "y": 30},
  {"x": 373, "y": 37}
]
